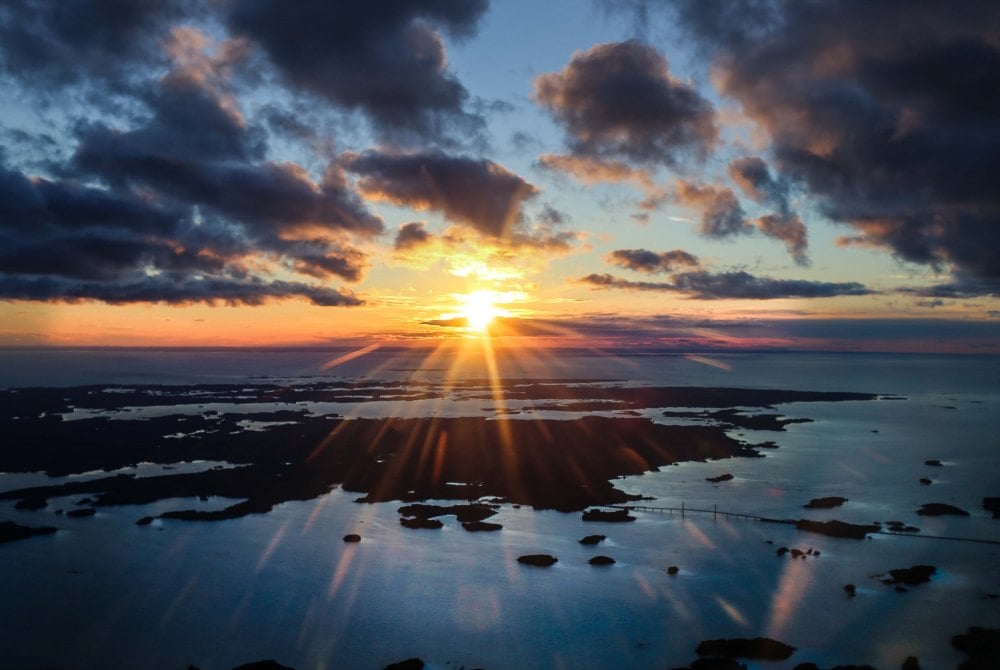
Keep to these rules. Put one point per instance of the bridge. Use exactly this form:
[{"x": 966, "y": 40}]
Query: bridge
[{"x": 684, "y": 510}]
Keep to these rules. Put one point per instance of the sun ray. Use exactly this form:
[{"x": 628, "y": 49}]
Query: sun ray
[{"x": 479, "y": 309}]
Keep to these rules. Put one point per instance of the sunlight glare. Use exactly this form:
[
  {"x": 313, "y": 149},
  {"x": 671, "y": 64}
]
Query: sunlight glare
[{"x": 479, "y": 309}]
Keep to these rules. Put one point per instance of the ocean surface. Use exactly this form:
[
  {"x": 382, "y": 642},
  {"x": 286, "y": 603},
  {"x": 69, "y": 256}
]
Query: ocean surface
[{"x": 105, "y": 593}]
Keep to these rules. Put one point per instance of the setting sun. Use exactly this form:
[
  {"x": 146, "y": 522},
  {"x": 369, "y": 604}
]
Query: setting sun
[{"x": 479, "y": 310}]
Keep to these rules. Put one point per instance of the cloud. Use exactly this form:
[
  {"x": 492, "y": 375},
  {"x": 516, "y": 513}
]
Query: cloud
[
  {"x": 619, "y": 100},
  {"x": 411, "y": 236},
  {"x": 895, "y": 132},
  {"x": 721, "y": 213},
  {"x": 962, "y": 288},
  {"x": 181, "y": 200},
  {"x": 385, "y": 59},
  {"x": 739, "y": 285},
  {"x": 589, "y": 170},
  {"x": 789, "y": 229},
  {"x": 477, "y": 193},
  {"x": 754, "y": 178},
  {"x": 174, "y": 290},
  {"x": 60, "y": 240},
  {"x": 197, "y": 148},
  {"x": 48, "y": 43},
  {"x": 650, "y": 262},
  {"x": 349, "y": 265}
]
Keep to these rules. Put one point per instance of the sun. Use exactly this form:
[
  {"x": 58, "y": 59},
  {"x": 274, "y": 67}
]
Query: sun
[{"x": 479, "y": 310}]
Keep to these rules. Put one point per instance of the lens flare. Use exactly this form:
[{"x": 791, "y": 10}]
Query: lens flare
[{"x": 479, "y": 310}]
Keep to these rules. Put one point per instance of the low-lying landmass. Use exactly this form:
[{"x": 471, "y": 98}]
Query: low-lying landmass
[{"x": 548, "y": 464}]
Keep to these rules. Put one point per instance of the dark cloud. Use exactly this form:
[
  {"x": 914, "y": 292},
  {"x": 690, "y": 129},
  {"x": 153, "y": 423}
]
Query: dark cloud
[
  {"x": 197, "y": 148},
  {"x": 182, "y": 202},
  {"x": 705, "y": 285},
  {"x": 620, "y": 100},
  {"x": 550, "y": 216},
  {"x": 411, "y": 236},
  {"x": 721, "y": 213},
  {"x": 385, "y": 59},
  {"x": 967, "y": 288},
  {"x": 673, "y": 333},
  {"x": 52, "y": 42},
  {"x": 650, "y": 262},
  {"x": 346, "y": 265},
  {"x": 894, "y": 132},
  {"x": 474, "y": 192},
  {"x": 60, "y": 240},
  {"x": 754, "y": 178},
  {"x": 175, "y": 290},
  {"x": 789, "y": 229}
]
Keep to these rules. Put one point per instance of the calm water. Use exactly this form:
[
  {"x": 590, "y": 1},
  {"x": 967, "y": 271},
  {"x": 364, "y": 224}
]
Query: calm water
[{"x": 104, "y": 593}]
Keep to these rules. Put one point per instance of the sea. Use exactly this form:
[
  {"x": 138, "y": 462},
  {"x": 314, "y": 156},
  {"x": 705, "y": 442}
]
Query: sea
[{"x": 104, "y": 593}]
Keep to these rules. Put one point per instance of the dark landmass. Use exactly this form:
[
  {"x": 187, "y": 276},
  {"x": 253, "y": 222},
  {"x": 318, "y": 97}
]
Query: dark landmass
[
  {"x": 721, "y": 478},
  {"x": 481, "y": 526},
  {"x": 420, "y": 522},
  {"x": 925, "y": 481},
  {"x": 940, "y": 509},
  {"x": 992, "y": 505},
  {"x": 31, "y": 503},
  {"x": 934, "y": 462},
  {"x": 850, "y": 589},
  {"x": 714, "y": 664},
  {"x": 352, "y": 537},
  {"x": 836, "y": 528},
  {"x": 650, "y": 397},
  {"x": 900, "y": 527},
  {"x": 918, "y": 574},
  {"x": 37, "y": 437},
  {"x": 269, "y": 664},
  {"x": 81, "y": 513},
  {"x": 10, "y": 531},
  {"x": 673, "y": 570},
  {"x": 825, "y": 503},
  {"x": 763, "y": 648},
  {"x": 408, "y": 664},
  {"x": 982, "y": 645},
  {"x": 583, "y": 406},
  {"x": 797, "y": 553},
  {"x": 616, "y": 516},
  {"x": 464, "y": 513},
  {"x": 910, "y": 663},
  {"x": 602, "y": 560},
  {"x": 593, "y": 539},
  {"x": 733, "y": 418},
  {"x": 563, "y": 465},
  {"x": 538, "y": 560},
  {"x": 813, "y": 666},
  {"x": 28, "y": 403}
]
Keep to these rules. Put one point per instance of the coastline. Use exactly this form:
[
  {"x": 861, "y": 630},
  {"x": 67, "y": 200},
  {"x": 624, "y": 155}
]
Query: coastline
[{"x": 400, "y": 592}]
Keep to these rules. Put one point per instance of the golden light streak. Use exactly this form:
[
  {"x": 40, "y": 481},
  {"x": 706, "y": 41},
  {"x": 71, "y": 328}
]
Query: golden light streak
[
  {"x": 714, "y": 362},
  {"x": 731, "y": 611},
  {"x": 349, "y": 356},
  {"x": 795, "y": 581}
]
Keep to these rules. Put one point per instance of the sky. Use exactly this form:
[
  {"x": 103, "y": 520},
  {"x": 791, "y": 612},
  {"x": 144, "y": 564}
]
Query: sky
[{"x": 679, "y": 175}]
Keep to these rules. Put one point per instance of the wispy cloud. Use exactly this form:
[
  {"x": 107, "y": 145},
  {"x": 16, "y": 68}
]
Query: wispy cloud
[{"x": 738, "y": 285}]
